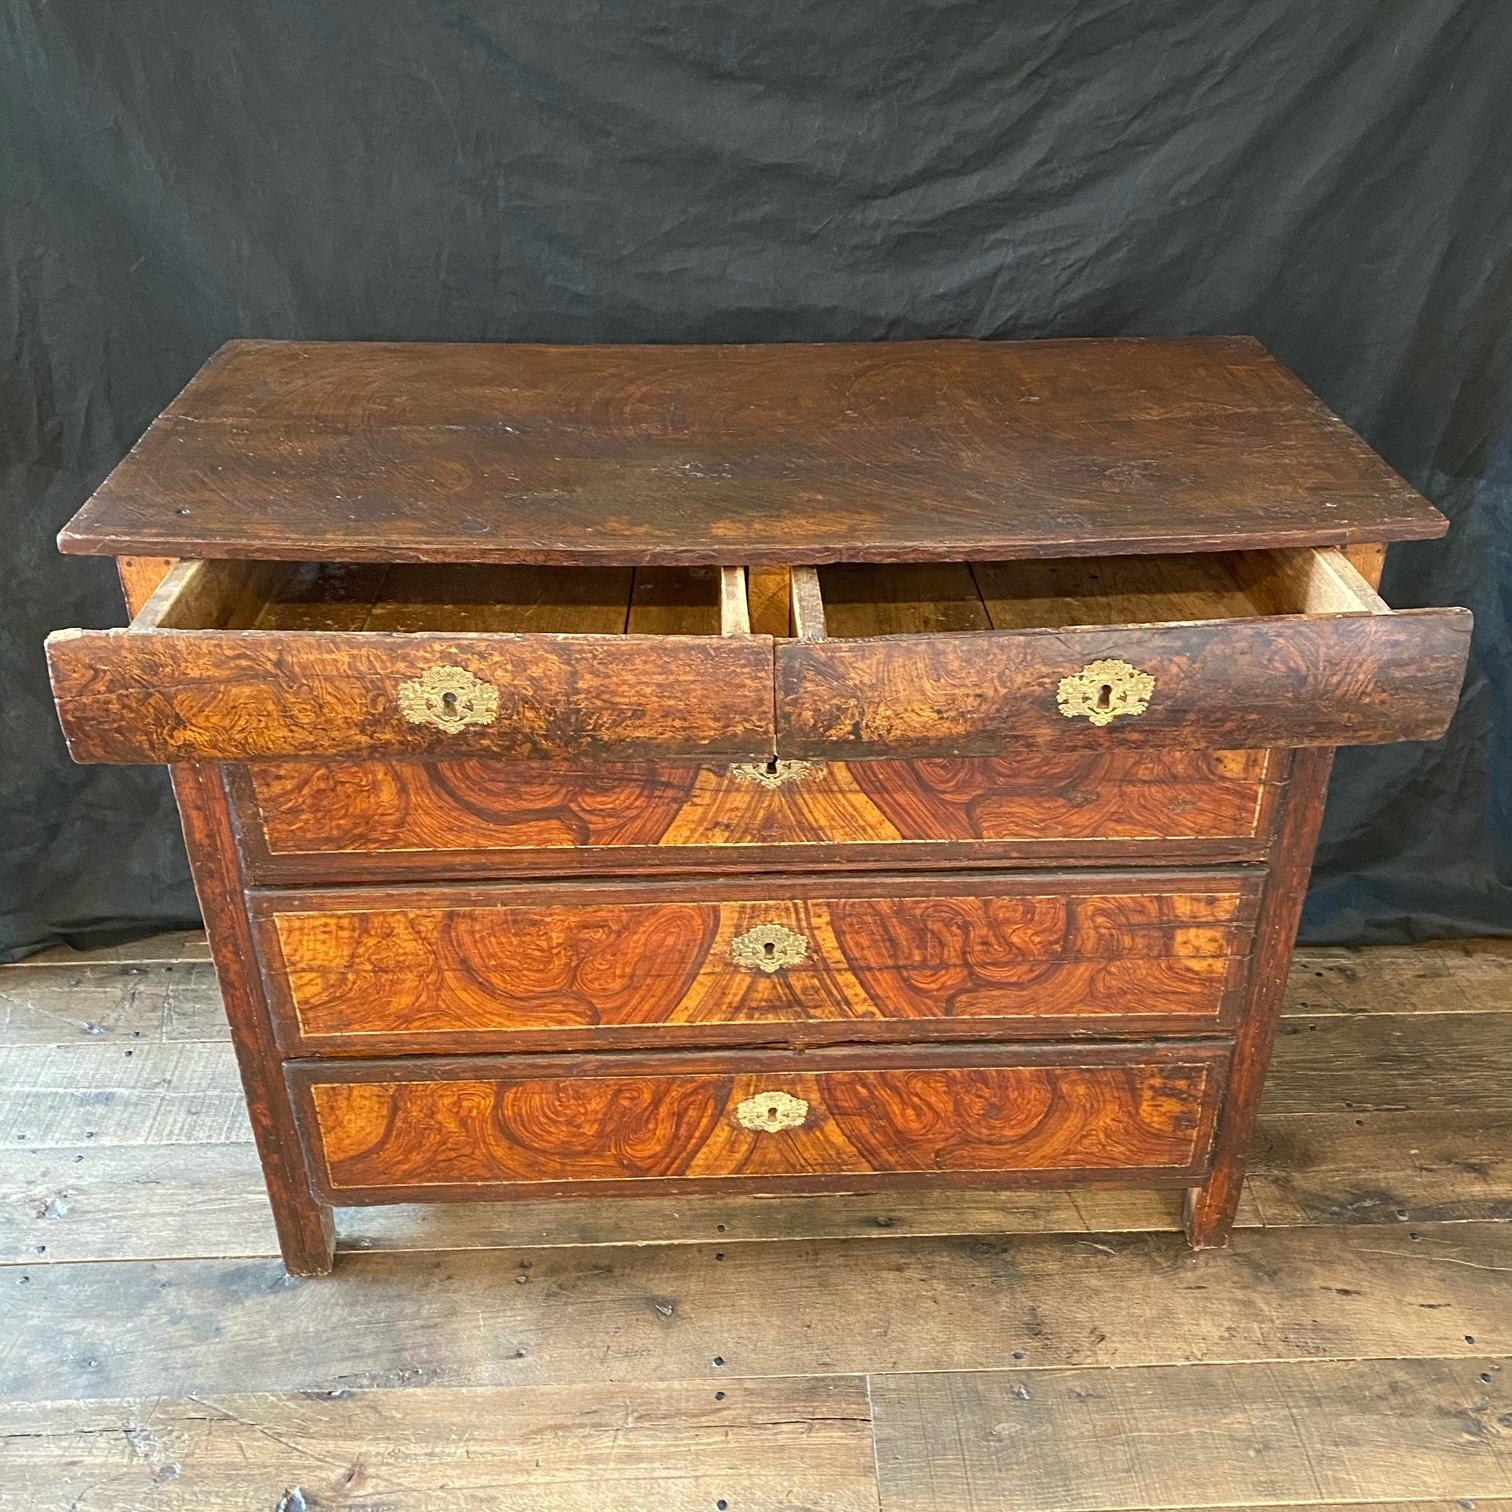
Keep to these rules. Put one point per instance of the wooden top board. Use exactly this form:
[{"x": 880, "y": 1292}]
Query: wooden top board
[{"x": 884, "y": 451}]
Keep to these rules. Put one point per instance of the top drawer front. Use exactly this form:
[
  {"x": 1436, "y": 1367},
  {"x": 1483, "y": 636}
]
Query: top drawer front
[
  {"x": 360, "y": 820},
  {"x": 239, "y": 661},
  {"x": 1251, "y": 649}
]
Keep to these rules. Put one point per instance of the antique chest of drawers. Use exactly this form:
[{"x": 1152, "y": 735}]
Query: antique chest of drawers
[{"x": 750, "y": 769}]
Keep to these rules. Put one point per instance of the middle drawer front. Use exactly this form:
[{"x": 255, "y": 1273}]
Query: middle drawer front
[
  {"x": 391, "y": 1131},
  {"x": 514, "y": 966},
  {"x": 372, "y": 821}
]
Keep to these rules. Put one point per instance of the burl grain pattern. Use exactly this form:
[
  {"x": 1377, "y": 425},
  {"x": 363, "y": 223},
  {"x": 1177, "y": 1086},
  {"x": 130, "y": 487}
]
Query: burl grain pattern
[
  {"x": 491, "y": 1129},
  {"x": 375, "y": 818},
  {"x": 444, "y": 969},
  {"x": 927, "y": 450},
  {"x": 1301, "y": 681},
  {"x": 213, "y": 695}
]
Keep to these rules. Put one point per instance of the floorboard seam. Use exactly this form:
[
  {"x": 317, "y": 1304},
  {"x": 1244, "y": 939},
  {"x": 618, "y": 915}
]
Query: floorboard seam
[{"x": 871, "y": 1428}]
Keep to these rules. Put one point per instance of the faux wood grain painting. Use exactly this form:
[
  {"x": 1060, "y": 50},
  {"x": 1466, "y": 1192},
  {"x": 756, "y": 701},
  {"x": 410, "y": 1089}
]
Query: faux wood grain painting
[
  {"x": 393, "y": 818},
  {"x": 444, "y": 969},
  {"x": 463, "y": 1130}
]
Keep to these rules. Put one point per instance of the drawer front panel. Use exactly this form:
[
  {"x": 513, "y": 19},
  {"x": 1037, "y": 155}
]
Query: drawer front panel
[
  {"x": 451, "y": 969},
  {"x": 192, "y": 695},
  {"x": 1331, "y": 680},
  {"x": 395, "y": 1131},
  {"x": 369, "y": 819}
]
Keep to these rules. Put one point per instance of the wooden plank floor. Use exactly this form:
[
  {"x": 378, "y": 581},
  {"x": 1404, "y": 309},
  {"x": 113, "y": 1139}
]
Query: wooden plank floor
[{"x": 1042, "y": 1352}]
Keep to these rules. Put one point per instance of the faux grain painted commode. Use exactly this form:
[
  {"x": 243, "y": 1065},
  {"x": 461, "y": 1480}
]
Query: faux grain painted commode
[{"x": 645, "y": 770}]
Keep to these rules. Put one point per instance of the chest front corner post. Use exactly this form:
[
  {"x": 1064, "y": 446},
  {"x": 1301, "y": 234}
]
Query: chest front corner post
[
  {"x": 1211, "y": 1207},
  {"x": 305, "y": 1227}
]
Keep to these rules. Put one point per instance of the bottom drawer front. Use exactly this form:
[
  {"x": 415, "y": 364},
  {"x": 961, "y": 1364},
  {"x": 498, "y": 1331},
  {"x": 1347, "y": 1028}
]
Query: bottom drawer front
[{"x": 413, "y": 1133}]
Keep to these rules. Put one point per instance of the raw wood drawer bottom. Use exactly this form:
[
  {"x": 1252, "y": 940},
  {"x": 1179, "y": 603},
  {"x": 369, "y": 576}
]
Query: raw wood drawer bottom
[{"x": 397, "y": 1131}]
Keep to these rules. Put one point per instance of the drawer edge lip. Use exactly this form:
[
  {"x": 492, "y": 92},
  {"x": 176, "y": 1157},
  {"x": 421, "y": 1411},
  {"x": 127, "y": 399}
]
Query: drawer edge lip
[
  {"x": 308, "y": 869},
  {"x": 1246, "y": 878},
  {"x": 912, "y": 1056},
  {"x": 768, "y": 1036},
  {"x": 1150, "y": 1176}
]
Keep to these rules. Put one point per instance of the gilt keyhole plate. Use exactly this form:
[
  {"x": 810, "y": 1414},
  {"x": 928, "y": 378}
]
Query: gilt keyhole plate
[
  {"x": 450, "y": 698},
  {"x": 771, "y": 1112},
  {"x": 1104, "y": 691},
  {"x": 774, "y": 774},
  {"x": 768, "y": 948}
]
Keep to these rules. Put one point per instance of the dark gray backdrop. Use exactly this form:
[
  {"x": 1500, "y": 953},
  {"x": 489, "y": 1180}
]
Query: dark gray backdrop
[{"x": 1333, "y": 178}]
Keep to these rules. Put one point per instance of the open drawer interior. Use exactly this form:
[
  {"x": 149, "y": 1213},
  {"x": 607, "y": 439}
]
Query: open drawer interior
[
  {"x": 446, "y": 598},
  {"x": 851, "y": 600},
  {"x": 844, "y": 600},
  {"x": 1243, "y": 650}
]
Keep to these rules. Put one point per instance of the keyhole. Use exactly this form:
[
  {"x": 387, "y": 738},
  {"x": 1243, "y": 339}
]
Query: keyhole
[
  {"x": 769, "y": 949},
  {"x": 1104, "y": 698},
  {"x": 449, "y": 703},
  {"x": 771, "y": 1115}
]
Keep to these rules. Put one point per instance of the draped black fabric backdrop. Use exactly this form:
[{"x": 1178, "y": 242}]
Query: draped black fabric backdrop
[{"x": 1332, "y": 178}]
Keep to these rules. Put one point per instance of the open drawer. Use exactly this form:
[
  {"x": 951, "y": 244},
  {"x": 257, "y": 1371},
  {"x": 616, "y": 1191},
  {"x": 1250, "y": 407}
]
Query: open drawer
[
  {"x": 1233, "y": 650},
  {"x": 244, "y": 660}
]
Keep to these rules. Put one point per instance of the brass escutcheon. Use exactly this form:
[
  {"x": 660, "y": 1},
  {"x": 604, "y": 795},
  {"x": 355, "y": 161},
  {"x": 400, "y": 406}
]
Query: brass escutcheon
[
  {"x": 768, "y": 948},
  {"x": 773, "y": 774},
  {"x": 770, "y": 1112},
  {"x": 1104, "y": 691},
  {"x": 450, "y": 698}
]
